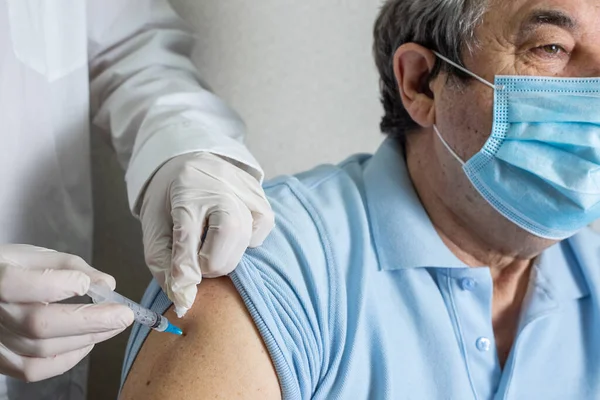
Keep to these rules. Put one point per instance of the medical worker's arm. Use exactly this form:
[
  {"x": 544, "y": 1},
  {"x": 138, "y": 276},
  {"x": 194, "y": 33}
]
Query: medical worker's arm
[
  {"x": 222, "y": 355},
  {"x": 189, "y": 175}
]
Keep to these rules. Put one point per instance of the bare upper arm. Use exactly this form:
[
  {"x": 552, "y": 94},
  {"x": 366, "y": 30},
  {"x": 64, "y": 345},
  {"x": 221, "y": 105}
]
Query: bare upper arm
[{"x": 221, "y": 356}]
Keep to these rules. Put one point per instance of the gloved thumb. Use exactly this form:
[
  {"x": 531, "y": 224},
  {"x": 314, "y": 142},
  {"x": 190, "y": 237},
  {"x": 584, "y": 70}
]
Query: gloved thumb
[{"x": 185, "y": 274}]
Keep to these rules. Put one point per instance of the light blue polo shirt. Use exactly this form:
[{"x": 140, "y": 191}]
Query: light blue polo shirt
[{"x": 356, "y": 297}]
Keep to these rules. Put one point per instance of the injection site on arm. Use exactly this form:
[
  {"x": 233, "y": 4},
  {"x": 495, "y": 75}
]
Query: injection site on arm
[{"x": 220, "y": 355}]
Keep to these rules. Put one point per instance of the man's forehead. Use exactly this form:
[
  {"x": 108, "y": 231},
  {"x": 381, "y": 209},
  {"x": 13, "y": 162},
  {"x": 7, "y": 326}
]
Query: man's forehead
[{"x": 524, "y": 15}]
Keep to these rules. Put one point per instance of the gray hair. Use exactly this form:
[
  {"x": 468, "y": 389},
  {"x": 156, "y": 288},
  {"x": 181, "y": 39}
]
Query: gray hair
[{"x": 447, "y": 26}]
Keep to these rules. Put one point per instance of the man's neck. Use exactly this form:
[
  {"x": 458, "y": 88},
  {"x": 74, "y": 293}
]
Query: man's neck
[
  {"x": 510, "y": 269},
  {"x": 470, "y": 228}
]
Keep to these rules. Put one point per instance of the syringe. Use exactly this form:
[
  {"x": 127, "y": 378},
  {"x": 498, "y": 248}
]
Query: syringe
[{"x": 102, "y": 294}]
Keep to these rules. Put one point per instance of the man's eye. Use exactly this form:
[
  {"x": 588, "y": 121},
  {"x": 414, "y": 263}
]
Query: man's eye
[{"x": 551, "y": 50}]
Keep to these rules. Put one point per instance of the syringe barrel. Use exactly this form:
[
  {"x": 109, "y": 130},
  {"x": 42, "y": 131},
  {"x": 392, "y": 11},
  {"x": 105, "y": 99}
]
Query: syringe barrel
[{"x": 103, "y": 294}]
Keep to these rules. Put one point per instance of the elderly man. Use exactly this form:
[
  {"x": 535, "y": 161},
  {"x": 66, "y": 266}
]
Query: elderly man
[{"x": 452, "y": 264}]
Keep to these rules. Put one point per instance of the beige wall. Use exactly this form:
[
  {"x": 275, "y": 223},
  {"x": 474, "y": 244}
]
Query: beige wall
[
  {"x": 301, "y": 75},
  {"x": 299, "y": 72}
]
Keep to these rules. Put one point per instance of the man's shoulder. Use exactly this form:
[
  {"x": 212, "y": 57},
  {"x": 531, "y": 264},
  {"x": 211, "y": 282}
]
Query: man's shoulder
[
  {"x": 322, "y": 186},
  {"x": 317, "y": 213},
  {"x": 295, "y": 281}
]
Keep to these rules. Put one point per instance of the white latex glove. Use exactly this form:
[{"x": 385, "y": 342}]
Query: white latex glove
[
  {"x": 39, "y": 338},
  {"x": 191, "y": 196}
]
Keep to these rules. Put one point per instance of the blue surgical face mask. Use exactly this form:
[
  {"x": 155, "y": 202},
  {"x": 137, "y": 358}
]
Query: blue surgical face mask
[{"x": 540, "y": 167}]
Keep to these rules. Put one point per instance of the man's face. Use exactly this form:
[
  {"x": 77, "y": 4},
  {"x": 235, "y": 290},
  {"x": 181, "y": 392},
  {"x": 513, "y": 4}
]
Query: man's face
[
  {"x": 520, "y": 37},
  {"x": 559, "y": 38}
]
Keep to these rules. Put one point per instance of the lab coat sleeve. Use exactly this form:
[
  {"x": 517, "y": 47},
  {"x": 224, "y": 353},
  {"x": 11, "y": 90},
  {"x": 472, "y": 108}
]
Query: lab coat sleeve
[{"x": 148, "y": 96}]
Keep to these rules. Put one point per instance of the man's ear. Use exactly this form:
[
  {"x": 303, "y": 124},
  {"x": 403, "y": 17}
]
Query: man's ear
[{"x": 412, "y": 67}]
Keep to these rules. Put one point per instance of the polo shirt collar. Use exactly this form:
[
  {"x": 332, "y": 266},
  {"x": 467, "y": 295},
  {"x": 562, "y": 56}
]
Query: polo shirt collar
[{"x": 403, "y": 235}]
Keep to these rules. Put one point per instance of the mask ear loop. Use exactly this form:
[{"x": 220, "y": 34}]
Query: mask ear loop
[
  {"x": 466, "y": 71},
  {"x": 471, "y": 74},
  {"x": 448, "y": 146}
]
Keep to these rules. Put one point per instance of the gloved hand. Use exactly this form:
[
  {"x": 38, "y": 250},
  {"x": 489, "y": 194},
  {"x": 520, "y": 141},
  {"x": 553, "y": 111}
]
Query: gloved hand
[
  {"x": 40, "y": 339},
  {"x": 199, "y": 214}
]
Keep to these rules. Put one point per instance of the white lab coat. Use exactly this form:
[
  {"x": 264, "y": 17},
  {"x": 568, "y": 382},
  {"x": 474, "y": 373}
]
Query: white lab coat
[{"x": 141, "y": 90}]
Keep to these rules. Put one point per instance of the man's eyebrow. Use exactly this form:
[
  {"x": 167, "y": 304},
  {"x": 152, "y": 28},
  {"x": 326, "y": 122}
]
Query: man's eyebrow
[{"x": 539, "y": 18}]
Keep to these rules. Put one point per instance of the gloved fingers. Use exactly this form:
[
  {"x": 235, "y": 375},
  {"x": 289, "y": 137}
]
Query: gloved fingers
[
  {"x": 38, "y": 258},
  {"x": 39, "y": 321},
  {"x": 236, "y": 182},
  {"x": 54, "y": 346},
  {"x": 263, "y": 221},
  {"x": 36, "y": 369},
  {"x": 157, "y": 237},
  {"x": 253, "y": 197},
  {"x": 188, "y": 226},
  {"x": 238, "y": 252},
  {"x": 157, "y": 251},
  {"x": 228, "y": 234},
  {"x": 15, "y": 259},
  {"x": 18, "y": 285},
  {"x": 157, "y": 255}
]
